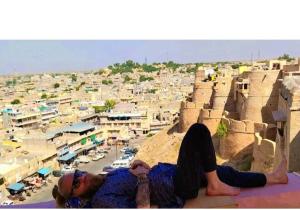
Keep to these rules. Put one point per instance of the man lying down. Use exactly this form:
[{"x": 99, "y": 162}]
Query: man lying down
[{"x": 164, "y": 185}]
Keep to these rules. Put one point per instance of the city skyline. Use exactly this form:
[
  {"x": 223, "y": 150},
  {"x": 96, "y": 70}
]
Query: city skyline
[{"x": 84, "y": 55}]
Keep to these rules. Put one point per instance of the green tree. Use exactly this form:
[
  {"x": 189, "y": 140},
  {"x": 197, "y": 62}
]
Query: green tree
[
  {"x": 149, "y": 68},
  {"x": 74, "y": 78},
  {"x": 56, "y": 85},
  {"x": 16, "y": 101},
  {"x": 172, "y": 65},
  {"x": 127, "y": 79},
  {"x": 222, "y": 130},
  {"x": 99, "y": 109},
  {"x": 44, "y": 96},
  {"x": 104, "y": 82},
  {"x": 109, "y": 104},
  {"x": 235, "y": 66},
  {"x": 286, "y": 57},
  {"x": 152, "y": 91},
  {"x": 144, "y": 78}
]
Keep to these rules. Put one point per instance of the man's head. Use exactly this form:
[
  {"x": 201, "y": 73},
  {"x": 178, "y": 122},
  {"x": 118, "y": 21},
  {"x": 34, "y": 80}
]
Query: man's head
[{"x": 79, "y": 184}]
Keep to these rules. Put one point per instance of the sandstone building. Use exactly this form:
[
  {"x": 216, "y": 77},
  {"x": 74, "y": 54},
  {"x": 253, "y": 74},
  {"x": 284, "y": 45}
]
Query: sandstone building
[{"x": 260, "y": 108}]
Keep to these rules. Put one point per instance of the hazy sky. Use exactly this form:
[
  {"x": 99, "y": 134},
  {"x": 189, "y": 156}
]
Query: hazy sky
[{"x": 47, "y": 56}]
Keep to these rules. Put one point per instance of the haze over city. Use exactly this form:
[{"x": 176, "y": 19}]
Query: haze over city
[{"x": 55, "y": 56}]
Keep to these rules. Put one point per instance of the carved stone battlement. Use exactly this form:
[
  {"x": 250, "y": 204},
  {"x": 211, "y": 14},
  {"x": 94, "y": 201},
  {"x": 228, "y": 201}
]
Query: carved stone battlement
[{"x": 263, "y": 154}]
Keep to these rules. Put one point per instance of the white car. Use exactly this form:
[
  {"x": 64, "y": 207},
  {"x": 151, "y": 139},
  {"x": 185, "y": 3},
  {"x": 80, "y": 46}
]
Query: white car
[
  {"x": 7, "y": 203},
  {"x": 67, "y": 169},
  {"x": 83, "y": 159},
  {"x": 102, "y": 151},
  {"x": 121, "y": 163},
  {"x": 127, "y": 157},
  {"x": 124, "y": 149},
  {"x": 98, "y": 157}
]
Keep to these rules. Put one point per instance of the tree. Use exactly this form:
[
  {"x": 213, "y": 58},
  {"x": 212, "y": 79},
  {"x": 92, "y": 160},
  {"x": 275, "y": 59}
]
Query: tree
[
  {"x": 222, "y": 130},
  {"x": 144, "y": 78},
  {"x": 99, "y": 109},
  {"x": 235, "y": 66},
  {"x": 127, "y": 79},
  {"x": 286, "y": 57},
  {"x": 152, "y": 91},
  {"x": 74, "y": 78},
  {"x": 56, "y": 85},
  {"x": 16, "y": 101},
  {"x": 149, "y": 68},
  {"x": 109, "y": 104},
  {"x": 106, "y": 82},
  {"x": 11, "y": 82},
  {"x": 44, "y": 96}
]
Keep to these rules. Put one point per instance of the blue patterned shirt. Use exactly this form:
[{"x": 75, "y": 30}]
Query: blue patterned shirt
[{"x": 120, "y": 188}]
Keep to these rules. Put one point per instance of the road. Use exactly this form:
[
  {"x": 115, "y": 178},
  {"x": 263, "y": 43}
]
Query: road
[{"x": 45, "y": 193}]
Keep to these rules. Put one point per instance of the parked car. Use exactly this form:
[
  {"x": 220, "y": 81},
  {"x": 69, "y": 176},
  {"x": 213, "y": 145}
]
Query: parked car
[
  {"x": 127, "y": 157},
  {"x": 57, "y": 173},
  {"x": 121, "y": 163},
  {"x": 7, "y": 203},
  {"x": 124, "y": 149},
  {"x": 98, "y": 157},
  {"x": 92, "y": 153},
  {"x": 67, "y": 169},
  {"x": 99, "y": 151},
  {"x": 107, "y": 169},
  {"x": 83, "y": 159}
]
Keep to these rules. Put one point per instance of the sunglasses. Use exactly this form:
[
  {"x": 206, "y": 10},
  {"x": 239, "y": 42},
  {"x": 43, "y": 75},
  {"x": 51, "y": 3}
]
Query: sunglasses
[{"x": 76, "y": 180}]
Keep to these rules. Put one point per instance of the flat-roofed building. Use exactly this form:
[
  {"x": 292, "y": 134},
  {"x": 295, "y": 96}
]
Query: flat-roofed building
[{"x": 17, "y": 118}]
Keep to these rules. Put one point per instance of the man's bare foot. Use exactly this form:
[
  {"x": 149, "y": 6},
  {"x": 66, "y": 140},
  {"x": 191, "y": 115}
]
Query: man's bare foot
[
  {"x": 220, "y": 188},
  {"x": 279, "y": 176}
]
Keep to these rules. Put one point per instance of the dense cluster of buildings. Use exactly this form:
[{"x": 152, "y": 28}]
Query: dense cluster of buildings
[{"x": 47, "y": 120}]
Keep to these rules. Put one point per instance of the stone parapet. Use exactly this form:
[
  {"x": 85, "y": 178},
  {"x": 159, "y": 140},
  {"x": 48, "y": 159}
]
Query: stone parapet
[
  {"x": 189, "y": 114},
  {"x": 204, "y": 85},
  {"x": 263, "y": 154},
  {"x": 266, "y": 79},
  {"x": 211, "y": 118},
  {"x": 211, "y": 113},
  {"x": 240, "y": 136}
]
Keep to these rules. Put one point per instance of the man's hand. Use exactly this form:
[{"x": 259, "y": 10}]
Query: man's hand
[
  {"x": 139, "y": 170},
  {"x": 139, "y": 163}
]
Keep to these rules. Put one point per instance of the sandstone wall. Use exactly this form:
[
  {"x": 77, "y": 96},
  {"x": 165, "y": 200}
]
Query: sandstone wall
[
  {"x": 202, "y": 93},
  {"x": 294, "y": 140},
  {"x": 223, "y": 97},
  {"x": 199, "y": 76},
  {"x": 240, "y": 105},
  {"x": 240, "y": 136},
  {"x": 262, "y": 96},
  {"x": 291, "y": 67},
  {"x": 162, "y": 147},
  {"x": 263, "y": 155},
  {"x": 211, "y": 118},
  {"x": 290, "y": 142},
  {"x": 189, "y": 114}
]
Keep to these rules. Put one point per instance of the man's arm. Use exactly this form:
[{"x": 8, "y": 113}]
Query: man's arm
[{"x": 143, "y": 192}]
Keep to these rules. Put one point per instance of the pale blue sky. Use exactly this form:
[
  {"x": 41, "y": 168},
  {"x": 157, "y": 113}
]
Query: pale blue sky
[{"x": 56, "y": 56}]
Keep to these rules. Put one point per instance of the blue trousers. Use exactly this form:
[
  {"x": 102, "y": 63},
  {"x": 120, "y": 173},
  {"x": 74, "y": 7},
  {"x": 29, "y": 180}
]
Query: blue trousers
[{"x": 197, "y": 157}]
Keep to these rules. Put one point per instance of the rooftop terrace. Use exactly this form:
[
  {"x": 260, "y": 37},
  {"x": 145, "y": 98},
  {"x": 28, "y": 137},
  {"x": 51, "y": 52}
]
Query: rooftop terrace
[{"x": 272, "y": 196}]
